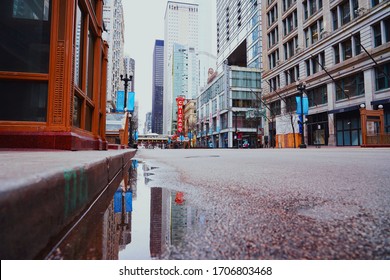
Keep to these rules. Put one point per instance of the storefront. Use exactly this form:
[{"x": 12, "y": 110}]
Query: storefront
[
  {"x": 348, "y": 128},
  {"x": 318, "y": 129}
]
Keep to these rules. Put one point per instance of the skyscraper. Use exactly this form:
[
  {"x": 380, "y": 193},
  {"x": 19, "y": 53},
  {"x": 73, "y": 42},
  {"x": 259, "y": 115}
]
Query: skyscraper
[
  {"x": 158, "y": 87},
  {"x": 113, "y": 22},
  {"x": 239, "y": 33},
  {"x": 181, "y": 27}
]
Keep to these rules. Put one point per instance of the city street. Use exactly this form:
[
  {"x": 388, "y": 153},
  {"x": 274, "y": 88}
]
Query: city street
[{"x": 329, "y": 203}]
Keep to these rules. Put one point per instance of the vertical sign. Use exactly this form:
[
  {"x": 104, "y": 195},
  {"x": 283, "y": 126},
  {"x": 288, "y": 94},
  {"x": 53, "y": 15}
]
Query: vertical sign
[
  {"x": 130, "y": 101},
  {"x": 180, "y": 113},
  {"x": 120, "y": 101}
]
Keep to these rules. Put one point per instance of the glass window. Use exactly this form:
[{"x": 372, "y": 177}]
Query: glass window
[
  {"x": 77, "y": 104},
  {"x": 345, "y": 13},
  {"x": 79, "y": 47},
  {"x": 25, "y": 36},
  {"x": 377, "y": 34},
  {"x": 347, "y": 49},
  {"x": 350, "y": 86},
  {"x": 387, "y": 29},
  {"x": 91, "y": 45},
  {"x": 88, "y": 118},
  {"x": 358, "y": 47},
  {"x": 382, "y": 73},
  {"x": 336, "y": 51},
  {"x": 335, "y": 19},
  {"x": 23, "y": 101}
]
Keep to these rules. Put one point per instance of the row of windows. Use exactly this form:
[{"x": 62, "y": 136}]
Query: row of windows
[
  {"x": 341, "y": 51},
  {"x": 345, "y": 87}
]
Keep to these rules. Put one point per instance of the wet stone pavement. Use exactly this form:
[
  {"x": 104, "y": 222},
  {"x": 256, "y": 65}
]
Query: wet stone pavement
[
  {"x": 241, "y": 204},
  {"x": 268, "y": 204}
]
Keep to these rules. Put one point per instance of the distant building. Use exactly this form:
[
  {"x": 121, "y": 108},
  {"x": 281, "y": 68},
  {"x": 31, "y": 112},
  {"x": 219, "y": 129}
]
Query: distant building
[
  {"x": 158, "y": 87},
  {"x": 341, "y": 51},
  {"x": 181, "y": 27},
  {"x": 148, "y": 123},
  {"x": 228, "y": 107},
  {"x": 53, "y": 75},
  {"x": 114, "y": 25}
]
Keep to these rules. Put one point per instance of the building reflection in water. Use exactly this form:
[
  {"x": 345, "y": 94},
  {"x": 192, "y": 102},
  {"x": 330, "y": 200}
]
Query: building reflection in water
[{"x": 133, "y": 221}]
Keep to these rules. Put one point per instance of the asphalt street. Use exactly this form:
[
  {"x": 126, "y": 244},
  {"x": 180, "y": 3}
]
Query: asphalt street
[{"x": 329, "y": 203}]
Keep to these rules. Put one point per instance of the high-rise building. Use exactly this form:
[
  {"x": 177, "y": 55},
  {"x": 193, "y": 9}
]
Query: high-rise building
[
  {"x": 129, "y": 69},
  {"x": 148, "y": 123},
  {"x": 181, "y": 27},
  {"x": 158, "y": 87},
  {"x": 114, "y": 25},
  {"x": 339, "y": 51},
  {"x": 228, "y": 107},
  {"x": 239, "y": 33}
]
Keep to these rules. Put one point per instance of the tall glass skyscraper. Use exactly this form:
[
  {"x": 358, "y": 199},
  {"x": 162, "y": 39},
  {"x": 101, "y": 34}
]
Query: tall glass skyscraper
[
  {"x": 158, "y": 87},
  {"x": 181, "y": 27}
]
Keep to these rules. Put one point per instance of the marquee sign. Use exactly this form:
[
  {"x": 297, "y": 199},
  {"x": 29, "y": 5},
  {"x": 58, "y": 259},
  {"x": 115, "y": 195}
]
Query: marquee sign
[{"x": 180, "y": 113}]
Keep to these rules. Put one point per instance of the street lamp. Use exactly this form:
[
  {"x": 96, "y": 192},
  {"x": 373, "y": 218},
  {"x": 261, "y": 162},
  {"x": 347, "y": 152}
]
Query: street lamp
[
  {"x": 126, "y": 81},
  {"x": 301, "y": 87}
]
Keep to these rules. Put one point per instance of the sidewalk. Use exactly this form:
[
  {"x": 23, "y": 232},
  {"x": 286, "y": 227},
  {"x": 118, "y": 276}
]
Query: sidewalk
[{"x": 41, "y": 192}]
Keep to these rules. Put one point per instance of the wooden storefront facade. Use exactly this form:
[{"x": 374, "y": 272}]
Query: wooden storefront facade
[{"x": 53, "y": 64}]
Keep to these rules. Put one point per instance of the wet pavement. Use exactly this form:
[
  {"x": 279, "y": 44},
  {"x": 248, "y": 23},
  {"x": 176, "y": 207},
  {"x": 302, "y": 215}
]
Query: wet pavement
[{"x": 240, "y": 204}]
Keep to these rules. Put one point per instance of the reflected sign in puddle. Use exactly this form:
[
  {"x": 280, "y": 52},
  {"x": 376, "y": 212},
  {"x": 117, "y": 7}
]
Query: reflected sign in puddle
[{"x": 133, "y": 221}]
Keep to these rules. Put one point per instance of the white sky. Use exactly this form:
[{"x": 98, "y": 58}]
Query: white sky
[{"x": 144, "y": 23}]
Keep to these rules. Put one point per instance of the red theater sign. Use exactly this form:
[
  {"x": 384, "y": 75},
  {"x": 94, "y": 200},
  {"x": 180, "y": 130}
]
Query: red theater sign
[{"x": 180, "y": 113}]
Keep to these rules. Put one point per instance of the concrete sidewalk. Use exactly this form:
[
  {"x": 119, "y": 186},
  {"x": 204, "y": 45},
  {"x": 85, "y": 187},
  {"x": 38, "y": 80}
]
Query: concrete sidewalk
[{"x": 41, "y": 192}]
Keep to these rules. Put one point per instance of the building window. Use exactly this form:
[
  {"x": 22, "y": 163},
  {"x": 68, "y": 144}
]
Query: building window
[
  {"x": 272, "y": 15},
  {"x": 350, "y": 86},
  {"x": 273, "y": 59},
  {"x": 381, "y": 32},
  {"x": 290, "y": 47},
  {"x": 291, "y": 104},
  {"x": 347, "y": 49},
  {"x": 382, "y": 74},
  {"x": 25, "y": 48},
  {"x": 290, "y": 23},
  {"x": 310, "y": 7},
  {"x": 25, "y": 36},
  {"x": 273, "y": 37},
  {"x": 343, "y": 12},
  {"x": 79, "y": 47},
  {"x": 317, "y": 96},
  {"x": 348, "y": 129},
  {"x": 315, "y": 63},
  {"x": 274, "y": 83},
  {"x": 275, "y": 108},
  {"x": 287, "y": 4},
  {"x": 336, "y": 50},
  {"x": 314, "y": 32},
  {"x": 376, "y": 2},
  {"x": 291, "y": 75}
]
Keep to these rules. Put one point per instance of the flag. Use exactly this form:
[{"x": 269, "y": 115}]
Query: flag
[{"x": 305, "y": 102}]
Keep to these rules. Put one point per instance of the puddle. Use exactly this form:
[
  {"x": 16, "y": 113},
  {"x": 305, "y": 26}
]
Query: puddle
[{"x": 133, "y": 221}]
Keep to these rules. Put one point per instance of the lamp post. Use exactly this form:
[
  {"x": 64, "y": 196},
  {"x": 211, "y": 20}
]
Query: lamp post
[
  {"x": 301, "y": 88},
  {"x": 126, "y": 81},
  {"x": 235, "y": 137}
]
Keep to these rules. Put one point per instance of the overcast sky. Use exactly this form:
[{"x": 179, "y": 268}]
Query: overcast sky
[{"x": 144, "y": 23}]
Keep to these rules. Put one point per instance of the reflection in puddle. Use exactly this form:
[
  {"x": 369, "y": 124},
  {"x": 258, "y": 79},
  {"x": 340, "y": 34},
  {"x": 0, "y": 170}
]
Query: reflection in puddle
[{"x": 133, "y": 221}]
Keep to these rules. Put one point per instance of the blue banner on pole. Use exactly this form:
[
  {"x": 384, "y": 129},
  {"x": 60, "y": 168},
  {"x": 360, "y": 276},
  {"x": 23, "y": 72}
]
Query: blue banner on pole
[
  {"x": 129, "y": 201},
  {"x": 118, "y": 201},
  {"x": 305, "y": 103},
  {"x": 130, "y": 101},
  {"x": 120, "y": 100}
]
